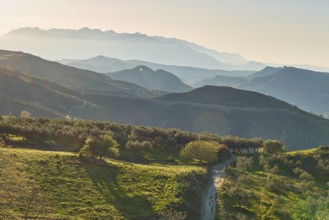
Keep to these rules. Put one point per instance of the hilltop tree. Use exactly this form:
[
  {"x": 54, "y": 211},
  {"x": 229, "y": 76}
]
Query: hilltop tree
[
  {"x": 100, "y": 147},
  {"x": 25, "y": 114},
  {"x": 200, "y": 150}
]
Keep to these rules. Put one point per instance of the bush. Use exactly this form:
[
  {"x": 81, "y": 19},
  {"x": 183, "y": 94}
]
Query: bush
[
  {"x": 173, "y": 215},
  {"x": 244, "y": 163},
  {"x": 200, "y": 150},
  {"x": 101, "y": 147},
  {"x": 275, "y": 184},
  {"x": 273, "y": 146},
  {"x": 138, "y": 146}
]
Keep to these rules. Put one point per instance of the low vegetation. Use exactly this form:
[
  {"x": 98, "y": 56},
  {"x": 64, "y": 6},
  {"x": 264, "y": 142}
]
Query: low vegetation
[
  {"x": 277, "y": 185},
  {"x": 42, "y": 184},
  {"x": 134, "y": 143},
  {"x": 58, "y": 168},
  {"x": 208, "y": 152}
]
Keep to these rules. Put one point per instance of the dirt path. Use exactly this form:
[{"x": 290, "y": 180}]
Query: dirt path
[{"x": 209, "y": 198}]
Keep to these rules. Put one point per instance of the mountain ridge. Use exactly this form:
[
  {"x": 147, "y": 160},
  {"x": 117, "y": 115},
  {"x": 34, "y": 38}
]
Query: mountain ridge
[
  {"x": 154, "y": 80},
  {"x": 120, "y": 45}
]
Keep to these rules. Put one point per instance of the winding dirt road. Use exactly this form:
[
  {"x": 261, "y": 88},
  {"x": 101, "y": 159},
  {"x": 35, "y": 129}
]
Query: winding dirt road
[{"x": 209, "y": 198}]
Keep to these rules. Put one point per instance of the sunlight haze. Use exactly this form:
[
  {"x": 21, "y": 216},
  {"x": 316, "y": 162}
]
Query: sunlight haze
[{"x": 285, "y": 32}]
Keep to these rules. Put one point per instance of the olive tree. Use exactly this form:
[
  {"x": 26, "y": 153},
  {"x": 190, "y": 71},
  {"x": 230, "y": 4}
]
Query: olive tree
[{"x": 100, "y": 147}]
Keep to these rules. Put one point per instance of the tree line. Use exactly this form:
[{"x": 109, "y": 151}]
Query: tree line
[{"x": 73, "y": 135}]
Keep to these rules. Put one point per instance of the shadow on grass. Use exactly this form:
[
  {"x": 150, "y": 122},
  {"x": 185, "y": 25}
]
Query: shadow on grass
[{"x": 104, "y": 177}]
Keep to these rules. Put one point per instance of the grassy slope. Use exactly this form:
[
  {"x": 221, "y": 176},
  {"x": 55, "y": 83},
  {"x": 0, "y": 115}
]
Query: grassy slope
[
  {"x": 67, "y": 187},
  {"x": 295, "y": 199}
]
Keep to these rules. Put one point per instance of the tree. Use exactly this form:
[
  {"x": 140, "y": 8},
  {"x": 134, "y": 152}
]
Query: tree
[
  {"x": 25, "y": 114},
  {"x": 100, "y": 147},
  {"x": 200, "y": 150},
  {"x": 273, "y": 146}
]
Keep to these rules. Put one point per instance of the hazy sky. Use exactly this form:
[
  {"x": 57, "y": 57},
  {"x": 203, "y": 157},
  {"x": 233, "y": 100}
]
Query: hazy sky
[{"x": 278, "y": 31}]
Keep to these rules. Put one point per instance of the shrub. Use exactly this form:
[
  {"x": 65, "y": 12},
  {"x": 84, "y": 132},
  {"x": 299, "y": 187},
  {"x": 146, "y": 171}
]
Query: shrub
[
  {"x": 138, "y": 146},
  {"x": 201, "y": 150},
  {"x": 172, "y": 215},
  {"x": 273, "y": 146},
  {"x": 101, "y": 147},
  {"x": 244, "y": 163},
  {"x": 275, "y": 184}
]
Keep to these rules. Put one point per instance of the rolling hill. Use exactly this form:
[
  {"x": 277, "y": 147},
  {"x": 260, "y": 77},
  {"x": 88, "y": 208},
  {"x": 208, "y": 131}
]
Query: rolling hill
[
  {"x": 152, "y": 80},
  {"x": 220, "y": 110},
  {"x": 20, "y": 92},
  {"x": 187, "y": 74},
  {"x": 77, "y": 79},
  {"x": 306, "y": 89}
]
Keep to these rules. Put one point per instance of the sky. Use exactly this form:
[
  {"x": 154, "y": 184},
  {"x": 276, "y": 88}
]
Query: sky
[{"x": 272, "y": 31}]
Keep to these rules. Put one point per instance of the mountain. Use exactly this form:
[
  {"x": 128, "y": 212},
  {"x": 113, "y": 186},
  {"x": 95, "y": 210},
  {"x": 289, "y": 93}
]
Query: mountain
[
  {"x": 307, "y": 89},
  {"x": 224, "y": 110},
  {"x": 220, "y": 80},
  {"x": 50, "y": 89},
  {"x": 153, "y": 80},
  {"x": 77, "y": 79},
  {"x": 189, "y": 75},
  {"x": 304, "y": 88},
  {"x": 220, "y": 110},
  {"x": 20, "y": 92},
  {"x": 87, "y": 42}
]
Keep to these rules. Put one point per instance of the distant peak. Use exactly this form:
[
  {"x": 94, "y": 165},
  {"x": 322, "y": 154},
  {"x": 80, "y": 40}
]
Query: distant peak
[
  {"x": 87, "y": 29},
  {"x": 101, "y": 57},
  {"x": 270, "y": 68},
  {"x": 25, "y": 30},
  {"x": 142, "y": 68}
]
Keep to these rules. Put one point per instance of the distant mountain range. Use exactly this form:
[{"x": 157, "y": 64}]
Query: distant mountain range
[
  {"x": 189, "y": 75},
  {"x": 306, "y": 89},
  {"x": 57, "y": 44},
  {"x": 51, "y": 89}
]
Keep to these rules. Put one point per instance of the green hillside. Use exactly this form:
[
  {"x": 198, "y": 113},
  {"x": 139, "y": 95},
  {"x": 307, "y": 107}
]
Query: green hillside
[
  {"x": 277, "y": 186},
  {"x": 59, "y": 185}
]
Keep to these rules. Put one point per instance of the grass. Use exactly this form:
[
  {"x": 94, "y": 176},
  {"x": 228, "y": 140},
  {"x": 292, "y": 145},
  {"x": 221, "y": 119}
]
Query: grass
[
  {"x": 59, "y": 185},
  {"x": 303, "y": 152},
  {"x": 289, "y": 196}
]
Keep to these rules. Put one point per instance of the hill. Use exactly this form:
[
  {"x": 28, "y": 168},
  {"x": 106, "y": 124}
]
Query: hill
[
  {"x": 77, "y": 79},
  {"x": 304, "y": 88},
  {"x": 152, "y": 80},
  {"x": 21, "y": 92},
  {"x": 223, "y": 111},
  {"x": 307, "y": 89},
  {"x": 277, "y": 186},
  {"x": 190, "y": 75},
  {"x": 88, "y": 42},
  {"x": 59, "y": 185},
  {"x": 246, "y": 114}
]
